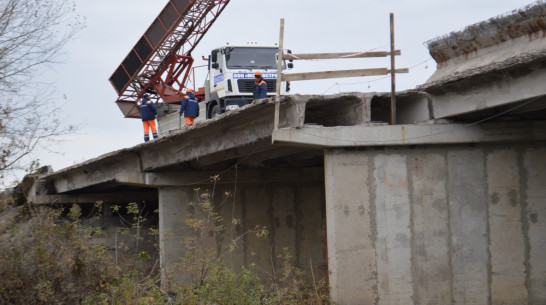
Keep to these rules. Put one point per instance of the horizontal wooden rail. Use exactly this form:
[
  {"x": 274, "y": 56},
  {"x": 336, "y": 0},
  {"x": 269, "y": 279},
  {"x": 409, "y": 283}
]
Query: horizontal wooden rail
[
  {"x": 339, "y": 73},
  {"x": 338, "y": 55},
  {"x": 281, "y": 77}
]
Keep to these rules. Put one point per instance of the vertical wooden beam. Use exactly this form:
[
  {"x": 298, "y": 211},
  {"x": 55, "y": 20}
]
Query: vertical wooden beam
[
  {"x": 279, "y": 80},
  {"x": 393, "y": 74}
]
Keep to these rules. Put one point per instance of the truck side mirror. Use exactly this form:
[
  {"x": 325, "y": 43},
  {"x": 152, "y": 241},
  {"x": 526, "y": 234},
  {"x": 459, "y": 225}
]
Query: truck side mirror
[
  {"x": 289, "y": 52},
  {"x": 214, "y": 56},
  {"x": 290, "y": 64}
]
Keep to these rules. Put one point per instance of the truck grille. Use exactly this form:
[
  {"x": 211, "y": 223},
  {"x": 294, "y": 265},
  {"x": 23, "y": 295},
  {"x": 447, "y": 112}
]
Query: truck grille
[{"x": 247, "y": 85}]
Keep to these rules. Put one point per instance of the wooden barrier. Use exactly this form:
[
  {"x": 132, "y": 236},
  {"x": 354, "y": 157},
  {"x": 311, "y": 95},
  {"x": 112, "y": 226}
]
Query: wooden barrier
[{"x": 339, "y": 73}]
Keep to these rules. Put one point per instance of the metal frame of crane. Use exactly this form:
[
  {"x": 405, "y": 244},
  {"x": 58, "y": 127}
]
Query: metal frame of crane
[{"x": 160, "y": 63}]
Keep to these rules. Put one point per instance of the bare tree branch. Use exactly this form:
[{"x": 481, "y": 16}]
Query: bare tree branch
[{"x": 32, "y": 36}]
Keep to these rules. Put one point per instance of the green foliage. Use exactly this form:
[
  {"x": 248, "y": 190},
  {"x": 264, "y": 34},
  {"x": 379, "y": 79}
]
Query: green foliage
[
  {"x": 224, "y": 286},
  {"x": 75, "y": 212},
  {"x": 291, "y": 288},
  {"x": 143, "y": 255},
  {"x": 132, "y": 208},
  {"x": 127, "y": 289}
]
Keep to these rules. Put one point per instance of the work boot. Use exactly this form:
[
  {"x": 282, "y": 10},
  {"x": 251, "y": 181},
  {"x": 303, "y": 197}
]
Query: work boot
[
  {"x": 155, "y": 135},
  {"x": 146, "y": 138}
]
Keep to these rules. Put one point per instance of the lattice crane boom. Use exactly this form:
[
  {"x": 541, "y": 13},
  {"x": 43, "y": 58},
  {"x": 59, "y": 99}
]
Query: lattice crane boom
[{"x": 160, "y": 62}]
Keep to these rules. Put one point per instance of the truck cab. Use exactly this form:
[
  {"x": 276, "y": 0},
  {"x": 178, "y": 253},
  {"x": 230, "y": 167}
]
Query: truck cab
[{"x": 230, "y": 81}]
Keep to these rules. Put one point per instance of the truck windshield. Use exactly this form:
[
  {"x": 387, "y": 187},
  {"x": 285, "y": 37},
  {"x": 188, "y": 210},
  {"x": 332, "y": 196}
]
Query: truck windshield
[{"x": 251, "y": 58}]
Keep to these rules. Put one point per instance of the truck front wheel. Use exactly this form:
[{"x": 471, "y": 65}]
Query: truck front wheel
[{"x": 215, "y": 111}]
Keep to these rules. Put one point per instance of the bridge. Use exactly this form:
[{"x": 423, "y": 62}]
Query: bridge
[{"x": 447, "y": 206}]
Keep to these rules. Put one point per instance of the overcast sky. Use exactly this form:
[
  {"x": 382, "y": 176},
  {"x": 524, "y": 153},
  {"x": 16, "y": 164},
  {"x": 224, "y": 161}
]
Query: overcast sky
[{"x": 311, "y": 26}]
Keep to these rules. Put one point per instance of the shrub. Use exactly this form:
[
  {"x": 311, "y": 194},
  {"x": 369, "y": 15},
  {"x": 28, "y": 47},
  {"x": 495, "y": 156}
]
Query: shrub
[
  {"x": 212, "y": 282},
  {"x": 44, "y": 261}
]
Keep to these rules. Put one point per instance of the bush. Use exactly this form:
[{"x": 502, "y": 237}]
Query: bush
[
  {"x": 215, "y": 283},
  {"x": 46, "y": 260},
  {"x": 43, "y": 260},
  {"x": 224, "y": 286}
]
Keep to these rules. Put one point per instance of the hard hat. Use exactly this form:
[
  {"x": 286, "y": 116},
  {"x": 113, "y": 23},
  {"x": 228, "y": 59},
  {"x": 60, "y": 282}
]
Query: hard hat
[
  {"x": 188, "y": 90},
  {"x": 257, "y": 73}
]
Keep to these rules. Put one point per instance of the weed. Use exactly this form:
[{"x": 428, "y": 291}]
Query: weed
[{"x": 45, "y": 260}]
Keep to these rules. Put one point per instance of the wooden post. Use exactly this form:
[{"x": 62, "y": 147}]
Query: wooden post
[
  {"x": 393, "y": 73},
  {"x": 279, "y": 75}
]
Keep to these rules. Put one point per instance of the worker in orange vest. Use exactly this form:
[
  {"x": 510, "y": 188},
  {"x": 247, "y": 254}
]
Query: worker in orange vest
[
  {"x": 189, "y": 107},
  {"x": 260, "y": 86},
  {"x": 148, "y": 110}
]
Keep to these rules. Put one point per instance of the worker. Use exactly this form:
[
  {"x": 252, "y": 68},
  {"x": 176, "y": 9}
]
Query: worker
[
  {"x": 260, "y": 86},
  {"x": 189, "y": 107},
  {"x": 148, "y": 110}
]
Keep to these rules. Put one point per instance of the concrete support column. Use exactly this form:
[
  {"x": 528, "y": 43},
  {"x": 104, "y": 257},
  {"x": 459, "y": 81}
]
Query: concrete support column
[
  {"x": 468, "y": 226},
  {"x": 173, "y": 212},
  {"x": 506, "y": 236},
  {"x": 393, "y": 244},
  {"x": 430, "y": 219},
  {"x": 350, "y": 233},
  {"x": 535, "y": 223}
]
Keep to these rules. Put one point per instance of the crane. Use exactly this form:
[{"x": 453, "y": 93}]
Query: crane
[{"x": 160, "y": 62}]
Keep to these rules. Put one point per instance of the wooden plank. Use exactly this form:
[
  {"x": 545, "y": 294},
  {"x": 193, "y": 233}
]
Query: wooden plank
[
  {"x": 334, "y": 74},
  {"x": 338, "y": 74},
  {"x": 393, "y": 75},
  {"x": 279, "y": 79},
  {"x": 339, "y": 55}
]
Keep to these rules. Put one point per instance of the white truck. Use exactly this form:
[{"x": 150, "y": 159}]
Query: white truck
[
  {"x": 230, "y": 81},
  {"x": 160, "y": 64}
]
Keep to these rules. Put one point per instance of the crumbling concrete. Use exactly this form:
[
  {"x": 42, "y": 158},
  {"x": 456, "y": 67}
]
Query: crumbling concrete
[
  {"x": 528, "y": 21},
  {"x": 493, "y": 45}
]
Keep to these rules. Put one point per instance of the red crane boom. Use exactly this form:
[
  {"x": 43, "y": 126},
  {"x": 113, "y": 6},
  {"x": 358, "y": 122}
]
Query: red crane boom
[{"x": 160, "y": 62}]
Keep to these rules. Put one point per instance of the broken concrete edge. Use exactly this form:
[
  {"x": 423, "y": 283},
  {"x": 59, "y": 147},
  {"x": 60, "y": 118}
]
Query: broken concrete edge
[
  {"x": 528, "y": 20},
  {"x": 521, "y": 59}
]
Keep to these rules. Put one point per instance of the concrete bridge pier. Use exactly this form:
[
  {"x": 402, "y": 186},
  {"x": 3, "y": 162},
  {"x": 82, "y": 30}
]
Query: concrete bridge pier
[
  {"x": 173, "y": 212},
  {"x": 454, "y": 224},
  {"x": 289, "y": 204}
]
